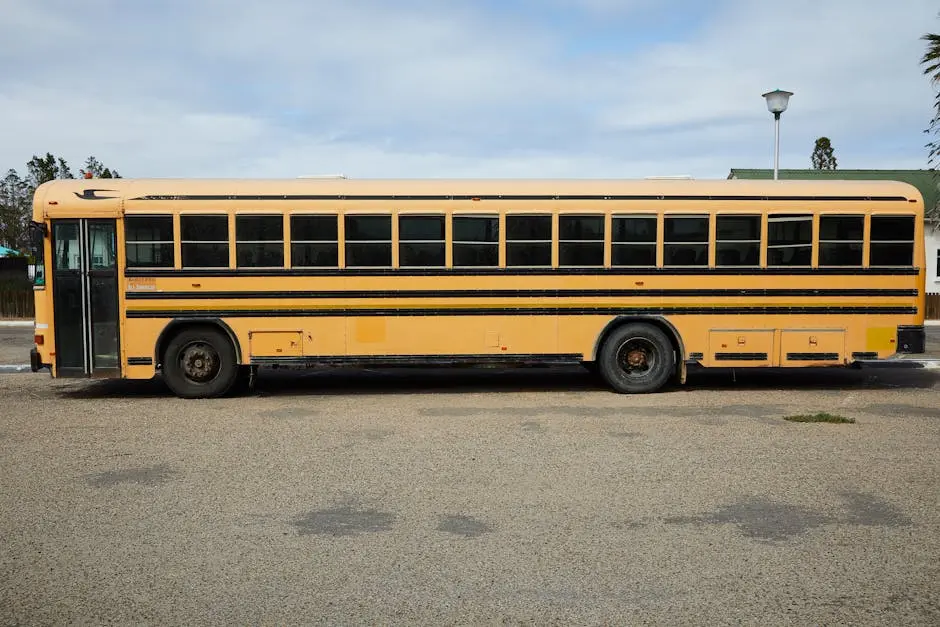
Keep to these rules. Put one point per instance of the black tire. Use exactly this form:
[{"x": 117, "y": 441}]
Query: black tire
[
  {"x": 200, "y": 363},
  {"x": 637, "y": 358}
]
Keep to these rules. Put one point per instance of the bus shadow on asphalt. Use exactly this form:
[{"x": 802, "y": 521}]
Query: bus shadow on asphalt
[
  {"x": 521, "y": 380},
  {"x": 115, "y": 388},
  {"x": 342, "y": 381},
  {"x": 817, "y": 379}
]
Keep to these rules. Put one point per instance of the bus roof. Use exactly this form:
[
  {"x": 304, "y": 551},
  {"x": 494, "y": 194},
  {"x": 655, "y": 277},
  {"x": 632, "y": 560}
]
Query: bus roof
[{"x": 68, "y": 196}]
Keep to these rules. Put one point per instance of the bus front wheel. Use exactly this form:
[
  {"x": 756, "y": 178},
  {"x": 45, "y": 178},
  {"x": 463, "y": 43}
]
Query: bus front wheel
[
  {"x": 200, "y": 363},
  {"x": 636, "y": 358}
]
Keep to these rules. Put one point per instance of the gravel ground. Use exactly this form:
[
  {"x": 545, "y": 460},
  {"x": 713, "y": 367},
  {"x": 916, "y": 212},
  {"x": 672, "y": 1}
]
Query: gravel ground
[
  {"x": 472, "y": 496},
  {"x": 15, "y": 343}
]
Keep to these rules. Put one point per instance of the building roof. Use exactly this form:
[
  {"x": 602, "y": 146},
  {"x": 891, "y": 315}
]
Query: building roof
[{"x": 926, "y": 181}]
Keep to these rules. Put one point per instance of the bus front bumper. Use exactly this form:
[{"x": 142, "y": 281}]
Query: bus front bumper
[{"x": 911, "y": 343}]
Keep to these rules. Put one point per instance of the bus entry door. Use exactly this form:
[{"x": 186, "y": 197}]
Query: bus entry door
[{"x": 85, "y": 298}]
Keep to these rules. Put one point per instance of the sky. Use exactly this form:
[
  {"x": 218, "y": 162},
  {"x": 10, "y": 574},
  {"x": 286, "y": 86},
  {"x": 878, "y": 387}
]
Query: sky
[{"x": 461, "y": 88}]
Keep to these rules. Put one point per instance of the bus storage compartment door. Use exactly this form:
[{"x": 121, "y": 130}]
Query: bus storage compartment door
[
  {"x": 275, "y": 343},
  {"x": 811, "y": 347},
  {"x": 740, "y": 347}
]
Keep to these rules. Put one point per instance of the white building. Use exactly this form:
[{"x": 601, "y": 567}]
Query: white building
[{"x": 932, "y": 248}]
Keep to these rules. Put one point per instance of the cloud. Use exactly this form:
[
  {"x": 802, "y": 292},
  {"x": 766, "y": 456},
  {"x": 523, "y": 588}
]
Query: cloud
[{"x": 422, "y": 88}]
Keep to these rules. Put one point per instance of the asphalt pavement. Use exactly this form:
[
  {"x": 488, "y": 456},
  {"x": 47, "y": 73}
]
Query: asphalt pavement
[
  {"x": 15, "y": 343},
  {"x": 466, "y": 497}
]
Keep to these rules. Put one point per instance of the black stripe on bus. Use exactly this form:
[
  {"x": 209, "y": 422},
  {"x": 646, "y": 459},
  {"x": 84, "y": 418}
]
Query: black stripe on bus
[
  {"x": 865, "y": 355},
  {"x": 140, "y": 361},
  {"x": 422, "y": 360},
  {"x": 461, "y": 272},
  {"x": 740, "y": 356},
  {"x": 549, "y": 293},
  {"x": 812, "y": 356},
  {"x": 509, "y": 311},
  {"x": 513, "y": 197}
]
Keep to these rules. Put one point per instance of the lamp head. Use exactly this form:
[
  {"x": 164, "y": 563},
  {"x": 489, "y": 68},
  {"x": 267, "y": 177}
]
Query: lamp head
[{"x": 777, "y": 100}]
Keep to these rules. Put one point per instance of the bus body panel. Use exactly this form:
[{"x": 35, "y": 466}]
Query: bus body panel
[
  {"x": 723, "y": 341},
  {"x": 724, "y": 316}
]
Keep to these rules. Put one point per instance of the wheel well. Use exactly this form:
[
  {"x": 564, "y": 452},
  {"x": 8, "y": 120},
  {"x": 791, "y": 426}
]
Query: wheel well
[
  {"x": 661, "y": 323},
  {"x": 177, "y": 326}
]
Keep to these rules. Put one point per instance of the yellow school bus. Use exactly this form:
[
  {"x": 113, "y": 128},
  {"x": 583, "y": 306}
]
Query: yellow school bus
[{"x": 205, "y": 280}]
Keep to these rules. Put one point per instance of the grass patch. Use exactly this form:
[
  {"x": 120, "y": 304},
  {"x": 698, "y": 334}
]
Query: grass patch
[{"x": 820, "y": 417}]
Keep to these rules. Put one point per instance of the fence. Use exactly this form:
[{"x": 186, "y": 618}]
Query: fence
[
  {"x": 932, "y": 310},
  {"x": 16, "y": 290}
]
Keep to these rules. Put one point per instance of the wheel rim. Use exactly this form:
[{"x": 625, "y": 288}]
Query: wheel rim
[
  {"x": 636, "y": 357},
  {"x": 199, "y": 362}
]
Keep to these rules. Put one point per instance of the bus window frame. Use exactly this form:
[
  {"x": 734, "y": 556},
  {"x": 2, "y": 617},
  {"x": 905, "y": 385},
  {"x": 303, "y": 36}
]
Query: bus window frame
[
  {"x": 759, "y": 241},
  {"x": 656, "y": 242},
  {"x": 282, "y": 241},
  {"x": 874, "y": 242},
  {"x": 820, "y": 241},
  {"x": 602, "y": 241},
  {"x": 393, "y": 237},
  {"x": 551, "y": 241},
  {"x": 709, "y": 222},
  {"x": 813, "y": 218},
  {"x": 229, "y": 223},
  {"x": 290, "y": 237},
  {"x": 443, "y": 241},
  {"x": 498, "y": 244}
]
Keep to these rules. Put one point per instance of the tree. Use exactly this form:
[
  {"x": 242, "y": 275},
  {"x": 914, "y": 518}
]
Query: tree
[
  {"x": 97, "y": 170},
  {"x": 823, "y": 156},
  {"x": 931, "y": 63},
  {"x": 16, "y": 193},
  {"x": 48, "y": 168},
  {"x": 15, "y": 206}
]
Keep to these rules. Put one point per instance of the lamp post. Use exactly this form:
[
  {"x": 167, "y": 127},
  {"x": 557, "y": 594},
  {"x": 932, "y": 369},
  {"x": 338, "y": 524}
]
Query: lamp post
[{"x": 777, "y": 103}]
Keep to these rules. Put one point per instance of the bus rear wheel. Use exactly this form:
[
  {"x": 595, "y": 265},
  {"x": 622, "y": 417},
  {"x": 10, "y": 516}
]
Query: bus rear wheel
[
  {"x": 636, "y": 358},
  {"x": 200, "y": 363}
]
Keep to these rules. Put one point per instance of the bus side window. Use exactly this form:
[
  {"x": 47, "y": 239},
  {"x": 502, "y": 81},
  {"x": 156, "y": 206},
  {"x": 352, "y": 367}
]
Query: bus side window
[
  {"x": 421, "y": 241},
  {"x": 259, "y": 241},
  {"x": 528, "y": 240},
  {"x": 314, "y": 241},
  {"x": 841, "y": 239},
  {"x": 685, "y": 241},
  {"x": 892, "y": 241},
  {"x": 149, "y": 241},
  {"x": 790, "y": 240},
  {"x": 737, "y": 240},
  {"x": 633, "y": 239},
  {"x": 369, "y": 241},
  {"x": 204, "y": 241},
  {"x": 476, "y": 241},
  {"x": 580, "y": 240}
]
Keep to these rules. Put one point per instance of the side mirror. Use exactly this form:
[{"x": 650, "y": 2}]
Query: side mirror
[
  {"x": 37, "y": 232},
  {"x": 37, "y": 245}
]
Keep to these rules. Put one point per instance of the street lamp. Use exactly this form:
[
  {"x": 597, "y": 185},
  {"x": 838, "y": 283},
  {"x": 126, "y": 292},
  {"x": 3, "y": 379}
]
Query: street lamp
[{"x": 777, "y": 103}]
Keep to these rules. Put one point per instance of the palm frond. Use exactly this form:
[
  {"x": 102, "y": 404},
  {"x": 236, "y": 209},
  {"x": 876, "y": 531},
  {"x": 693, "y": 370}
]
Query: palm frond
[{"x": 931, "y": 58}]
